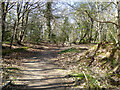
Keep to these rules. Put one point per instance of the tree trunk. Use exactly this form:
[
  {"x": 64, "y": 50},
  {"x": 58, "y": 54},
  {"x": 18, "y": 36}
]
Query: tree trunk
[
  {"x": 49, "y": 17},
  {"x": 4, "y": 10},
  {"x": 3, "y": 20},
  {"x": 13, "y": 35},
  {"x": 90, "y": 38},
  {"x": 118, "y": 22}
]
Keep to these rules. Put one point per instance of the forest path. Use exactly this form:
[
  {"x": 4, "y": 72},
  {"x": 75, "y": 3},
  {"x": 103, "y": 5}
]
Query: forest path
[{"x": 40, "y": 72}]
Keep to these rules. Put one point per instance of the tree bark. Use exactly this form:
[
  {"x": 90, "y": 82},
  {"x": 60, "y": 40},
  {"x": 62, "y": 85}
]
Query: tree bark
[
  {"x": 118, "y": 23},
  {"x": 3, "y": 20},
  {"x": 24, "y": 22},
  {"x": 13, "y": 35},
  {"x": 4, "y": 10},
  {"x": 49, "y": 17}
]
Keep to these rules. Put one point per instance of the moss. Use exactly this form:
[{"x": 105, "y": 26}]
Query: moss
[
  {"x": 79, "y": 75},
  {"x": 25, "y": 48},
  {"x": 69, "y": 50},
  {"x": 6, "y": 42}
]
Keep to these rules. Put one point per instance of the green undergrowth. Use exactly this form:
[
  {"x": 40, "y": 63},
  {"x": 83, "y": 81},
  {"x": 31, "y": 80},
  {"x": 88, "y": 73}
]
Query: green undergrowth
[
  {"x": 101, "y": 67},
  {"x": 9, "y": 51},
  {"x": 69, "y": 50},
  {"x": 92, "y": 81},
  {"x": 88, "y": 80},
  {"x": 6, "y": 42},
  {"x": 10, "y": 73},
  {"x": 79, "y": 75}
]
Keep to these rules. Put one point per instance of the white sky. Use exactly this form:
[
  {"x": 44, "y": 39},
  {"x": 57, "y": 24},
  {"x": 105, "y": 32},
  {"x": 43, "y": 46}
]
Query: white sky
[{"x": 65, "y": 0}]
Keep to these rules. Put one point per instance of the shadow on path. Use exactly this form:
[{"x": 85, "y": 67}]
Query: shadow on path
[{"x": 40, "y": 71}]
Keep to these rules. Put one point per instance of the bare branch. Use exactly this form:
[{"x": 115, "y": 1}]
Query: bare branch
[
  {"x": 107, "y": 22},
  {"x": 99, "y": 20},
  {"x": 11, "y": 6}
]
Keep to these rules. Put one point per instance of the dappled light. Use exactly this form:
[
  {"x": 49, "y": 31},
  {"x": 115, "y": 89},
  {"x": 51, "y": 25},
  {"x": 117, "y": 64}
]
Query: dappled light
[{"x": 56, "y": 45}]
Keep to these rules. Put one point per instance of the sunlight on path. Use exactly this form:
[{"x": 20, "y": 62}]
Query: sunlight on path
[{"x": 40, "y": 72}]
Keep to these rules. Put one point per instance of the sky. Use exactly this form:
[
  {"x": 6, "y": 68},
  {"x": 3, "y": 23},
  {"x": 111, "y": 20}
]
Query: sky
[{"x": 65, "y": 0}]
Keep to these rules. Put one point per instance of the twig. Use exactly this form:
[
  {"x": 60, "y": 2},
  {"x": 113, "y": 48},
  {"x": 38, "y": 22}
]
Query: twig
[
  {"x": 86, "y": 78},
  {"x": 6, "y": 84}
]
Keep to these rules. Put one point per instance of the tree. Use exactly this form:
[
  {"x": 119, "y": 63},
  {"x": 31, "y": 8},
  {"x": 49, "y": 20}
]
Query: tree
[
  {"x": 118, "y": 23},
  {"x": 5, "y": 7},
  {"x": 48, "y": 16}
]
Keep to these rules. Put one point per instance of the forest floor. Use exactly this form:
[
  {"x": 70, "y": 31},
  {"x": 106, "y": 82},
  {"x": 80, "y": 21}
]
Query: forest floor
[{"x": 40, "y": 68}]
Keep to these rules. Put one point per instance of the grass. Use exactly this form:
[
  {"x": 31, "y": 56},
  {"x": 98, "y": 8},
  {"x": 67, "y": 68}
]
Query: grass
[
  {"x": 90, "y": 81},
  {"x": 79, "y": 76},
  {"x": 10, "y": 71},
  {"x": 6, "y": 42},
  {"x": 69, "y": 50}
]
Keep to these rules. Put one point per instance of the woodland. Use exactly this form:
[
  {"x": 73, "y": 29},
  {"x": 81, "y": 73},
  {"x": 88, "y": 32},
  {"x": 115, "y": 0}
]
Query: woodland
[{"x": 60, "y": 45}]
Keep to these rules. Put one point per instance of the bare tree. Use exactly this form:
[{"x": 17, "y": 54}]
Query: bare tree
[
  {"x": 5, "y": 7},
  {"x": 48, "y": 17}
]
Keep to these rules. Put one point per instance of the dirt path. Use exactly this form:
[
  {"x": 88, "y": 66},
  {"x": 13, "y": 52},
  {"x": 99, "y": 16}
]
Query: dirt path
[{"x": 40, "y": 72}]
